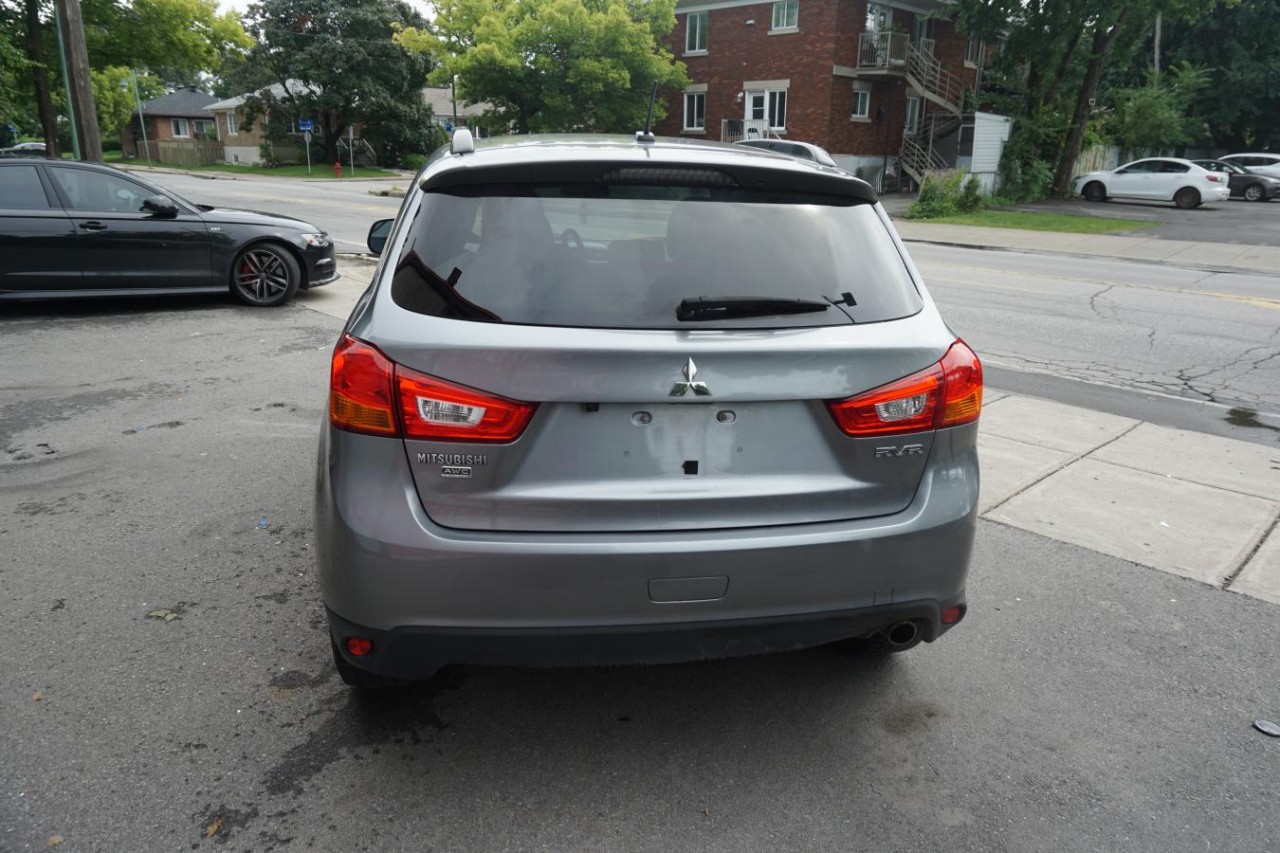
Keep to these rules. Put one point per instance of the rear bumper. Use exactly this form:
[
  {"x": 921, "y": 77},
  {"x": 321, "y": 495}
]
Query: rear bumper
[
  {"x": 430, "y": 595},
  {"x": 416, "y": 652}
]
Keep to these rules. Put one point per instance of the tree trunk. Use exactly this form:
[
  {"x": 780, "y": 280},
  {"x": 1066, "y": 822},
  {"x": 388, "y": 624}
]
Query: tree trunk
[
  {"x": 1064, "y": 65},
  {"x": 333, "y": 131},
  {"x": 1103, "y": 39},
  {"x": 40, "y": 76}
]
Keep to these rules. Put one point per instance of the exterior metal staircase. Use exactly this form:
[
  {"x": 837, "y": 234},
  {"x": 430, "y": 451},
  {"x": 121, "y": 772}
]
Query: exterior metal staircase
[
  {"x": 936, "y": 84},
  {"x": 933, "y": 145},
  {"x": 932, "y": 148}
]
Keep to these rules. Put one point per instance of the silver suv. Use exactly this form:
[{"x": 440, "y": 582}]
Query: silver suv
[{"x": 609, "y": 400}]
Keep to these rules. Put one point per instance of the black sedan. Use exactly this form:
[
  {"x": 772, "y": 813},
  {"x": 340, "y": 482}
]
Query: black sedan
[
  {"x": 1244, "y": 184},
  {"x": 80, "y": 229}
]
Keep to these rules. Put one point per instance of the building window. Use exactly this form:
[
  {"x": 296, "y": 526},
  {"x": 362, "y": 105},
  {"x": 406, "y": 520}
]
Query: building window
[
  {"x": 861, "y": 104},
  {"x": 879, "y": 18},
  {"x": 180, "y": 129},
  {"x": 204, "y": 129},
  {"x": 695, "y": 35},
  {"x": 232, "y": 127},
  {"x": 972, "y": 52},
  {"x": 786, "y": 14},
  {"x": 778, "y": 110},
  {"x": 695, "y": 110}
]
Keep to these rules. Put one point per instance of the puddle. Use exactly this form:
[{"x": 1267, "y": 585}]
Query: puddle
[{"x": 1248, "y": 418}]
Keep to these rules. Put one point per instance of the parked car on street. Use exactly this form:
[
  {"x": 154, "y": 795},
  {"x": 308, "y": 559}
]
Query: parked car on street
[
  {"x": 611, "y": 400},
  {"x": 81, "y": 229},
  {"x": 25, "y": 148},
  {"x": 803, "y": 150},
  {"x": 1155, "y": 179},
  {"x": 1243, "y": 182},
  {"x": 1264, "y": 163}
]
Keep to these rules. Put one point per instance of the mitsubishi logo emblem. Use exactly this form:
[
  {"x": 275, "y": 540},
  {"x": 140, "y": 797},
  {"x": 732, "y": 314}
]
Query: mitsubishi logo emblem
[{"x": 699, "y": 389}]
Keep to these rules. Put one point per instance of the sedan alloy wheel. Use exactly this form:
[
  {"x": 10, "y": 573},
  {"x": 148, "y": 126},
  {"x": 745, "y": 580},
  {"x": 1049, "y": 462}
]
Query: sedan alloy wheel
[{"x": 265, "y": 275}]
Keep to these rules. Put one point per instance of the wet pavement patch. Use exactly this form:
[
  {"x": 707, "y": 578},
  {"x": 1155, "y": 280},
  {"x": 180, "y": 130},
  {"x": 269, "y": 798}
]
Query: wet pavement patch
[{"x": 364, "y": 719}]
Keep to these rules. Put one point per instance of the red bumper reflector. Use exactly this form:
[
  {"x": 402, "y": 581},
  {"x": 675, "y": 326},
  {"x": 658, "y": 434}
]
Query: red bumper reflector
[
  {"x": 951, "y": 615},
  {"x": 359, "y": 646}
]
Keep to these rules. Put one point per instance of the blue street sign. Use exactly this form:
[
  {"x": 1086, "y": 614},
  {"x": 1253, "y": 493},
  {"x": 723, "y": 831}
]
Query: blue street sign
[{"x": 305, "y": 124}]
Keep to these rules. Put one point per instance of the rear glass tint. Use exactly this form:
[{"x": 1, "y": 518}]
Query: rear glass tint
[{"x": 626, "y": 255}]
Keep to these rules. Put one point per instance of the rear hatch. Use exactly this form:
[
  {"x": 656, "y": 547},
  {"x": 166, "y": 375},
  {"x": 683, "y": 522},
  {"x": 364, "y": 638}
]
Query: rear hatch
[{"x": 652, "y": 356}]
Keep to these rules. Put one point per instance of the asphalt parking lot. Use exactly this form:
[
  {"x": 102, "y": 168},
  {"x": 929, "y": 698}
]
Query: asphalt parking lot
[{"x": 166, "y": 684}]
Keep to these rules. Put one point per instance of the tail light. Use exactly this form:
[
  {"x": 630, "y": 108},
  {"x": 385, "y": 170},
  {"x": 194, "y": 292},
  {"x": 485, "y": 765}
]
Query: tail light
[
  {"x": 435, "y": 410},
  {"x": 360, "y": 389},
  {"x": 371, "y": 394},
  {"x": 948, "y": 393},
  {"x": 1217, "y": 179}
]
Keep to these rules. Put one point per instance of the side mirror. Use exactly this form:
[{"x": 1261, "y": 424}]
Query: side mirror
[
  {"x": 160, "y": 205},
  {"x": 378, "y": 235}
]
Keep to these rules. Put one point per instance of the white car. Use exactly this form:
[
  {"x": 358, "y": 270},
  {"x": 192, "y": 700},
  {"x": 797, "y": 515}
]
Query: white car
[
  {"x": 799, "y": 150},
  {"x": 1262, "y": 163},
  {"x": 1155, "y": 179}
]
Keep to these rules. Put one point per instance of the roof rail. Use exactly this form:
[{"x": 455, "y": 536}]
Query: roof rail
[{"x": 462, "y": 142}]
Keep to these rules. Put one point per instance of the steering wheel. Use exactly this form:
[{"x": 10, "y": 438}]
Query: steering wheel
[{"x": 571, "y": 238}]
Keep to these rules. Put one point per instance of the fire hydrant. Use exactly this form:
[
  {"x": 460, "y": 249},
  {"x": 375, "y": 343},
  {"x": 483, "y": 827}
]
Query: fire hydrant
[{"x": 337, "y": 169}]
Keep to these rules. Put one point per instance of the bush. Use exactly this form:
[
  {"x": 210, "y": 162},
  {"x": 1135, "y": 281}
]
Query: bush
[
  {"x": 413, "y": 162},
  {"x": 970, "y": 195},
  {"x": 947, "y": 194}
]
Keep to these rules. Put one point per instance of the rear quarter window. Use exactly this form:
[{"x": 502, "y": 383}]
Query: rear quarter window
[{"x": 625, "y": 256}]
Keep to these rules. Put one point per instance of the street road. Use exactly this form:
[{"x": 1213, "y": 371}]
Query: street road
[
  {"x": 1189, "y": 334},
  {"x": 345, "y": 209},
  {"x": 165, "y": 680}
]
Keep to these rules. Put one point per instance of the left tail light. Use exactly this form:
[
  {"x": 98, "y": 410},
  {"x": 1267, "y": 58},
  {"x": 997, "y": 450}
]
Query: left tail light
[
  {"x": 361, "y": 399},
  {"x": 434, "y": 410},
  {"x": 371, "y": 394},
  {"x": 945, "y": 394}
]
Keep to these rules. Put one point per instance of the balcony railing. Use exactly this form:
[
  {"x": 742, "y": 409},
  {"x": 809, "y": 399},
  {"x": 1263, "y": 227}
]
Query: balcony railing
[
  {"x": 895, "y": 52},
  {"x": 883, "y": 50},
  {"x": 735, "y": 129}
]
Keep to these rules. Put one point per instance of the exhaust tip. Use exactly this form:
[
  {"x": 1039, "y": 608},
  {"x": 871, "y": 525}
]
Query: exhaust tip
[{"x": 903, "y": 634}]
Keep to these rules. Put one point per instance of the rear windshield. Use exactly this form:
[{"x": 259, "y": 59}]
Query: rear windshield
[{"x": 627, "y": 256}]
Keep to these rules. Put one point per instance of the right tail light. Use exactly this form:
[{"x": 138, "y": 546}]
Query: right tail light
[{"x": 947, "y": 393}]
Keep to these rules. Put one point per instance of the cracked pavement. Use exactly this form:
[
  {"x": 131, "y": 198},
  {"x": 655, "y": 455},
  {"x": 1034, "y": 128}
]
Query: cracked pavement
[{"x": 1208, "y": 336}]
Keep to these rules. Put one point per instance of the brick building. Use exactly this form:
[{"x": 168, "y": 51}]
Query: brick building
[
  {"x": 878, "y": 84},
  {"x": 179, "y": 129}
]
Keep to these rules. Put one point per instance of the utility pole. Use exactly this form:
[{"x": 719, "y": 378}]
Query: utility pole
[{"x": 84, "y": 114}]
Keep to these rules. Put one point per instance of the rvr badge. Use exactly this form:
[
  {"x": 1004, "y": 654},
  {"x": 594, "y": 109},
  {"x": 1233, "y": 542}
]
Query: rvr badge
[
  {"x": 699, "y": 389},
  {"x": 904, "y": 450}
]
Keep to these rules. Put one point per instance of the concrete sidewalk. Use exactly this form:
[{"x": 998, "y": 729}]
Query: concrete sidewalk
[
  {"x": 1207, "y": 256},
  {"x": 1186, "y": 503}
]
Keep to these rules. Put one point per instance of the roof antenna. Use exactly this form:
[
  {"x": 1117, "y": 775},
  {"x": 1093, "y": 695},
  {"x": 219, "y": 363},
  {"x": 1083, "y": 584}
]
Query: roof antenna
[{"x": 646, "y": 135}]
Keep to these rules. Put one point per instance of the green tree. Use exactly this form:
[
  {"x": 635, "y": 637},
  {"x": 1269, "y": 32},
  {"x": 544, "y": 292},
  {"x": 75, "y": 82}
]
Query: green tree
[
  {"x": 1056, "y": 53},
  {"x": 114, "y": 97},
  {"x": 1236, "y": 42},
  {"x": 349, "y": 67},
  {"x": 1159, "y": 115},
  {"x": 554, "y": 65},
  {"x": 13, "y": 66},
  {"x": 179, "y": 41}
]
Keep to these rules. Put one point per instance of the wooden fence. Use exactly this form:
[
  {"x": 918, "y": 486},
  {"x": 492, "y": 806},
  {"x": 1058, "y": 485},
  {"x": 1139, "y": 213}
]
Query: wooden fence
[{"x": 186, "y": 152}]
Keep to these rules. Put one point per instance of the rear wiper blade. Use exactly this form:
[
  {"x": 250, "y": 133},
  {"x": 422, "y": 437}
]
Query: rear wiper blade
[{"x": 729, "y": 307}]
